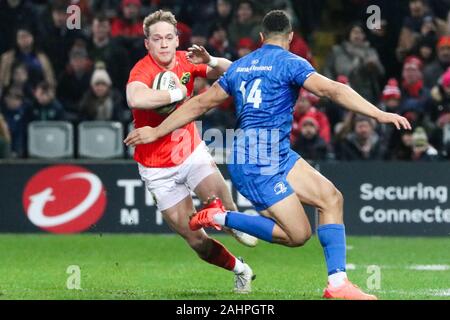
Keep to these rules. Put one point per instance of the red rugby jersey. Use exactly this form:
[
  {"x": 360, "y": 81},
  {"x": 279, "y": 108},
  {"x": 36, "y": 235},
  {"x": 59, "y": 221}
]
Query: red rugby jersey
[{"x": 173, "y": 149}]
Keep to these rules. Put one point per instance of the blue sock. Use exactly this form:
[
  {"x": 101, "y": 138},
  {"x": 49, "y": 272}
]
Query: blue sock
[
  {"x": 332, "y": 239},
  {"x": 258, "y": 226}
]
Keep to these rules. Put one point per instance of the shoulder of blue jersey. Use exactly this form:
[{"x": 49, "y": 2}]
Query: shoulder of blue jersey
[
  {"x": 243, "y": 60},
  {"x": 293, "y": 56}
]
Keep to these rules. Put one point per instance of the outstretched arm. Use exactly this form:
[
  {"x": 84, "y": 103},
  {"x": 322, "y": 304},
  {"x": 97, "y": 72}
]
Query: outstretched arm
[
  {"x": 351, "y": 100},
  {"x": 216, "y": 66},
  {"x": 188, "y": 112}
]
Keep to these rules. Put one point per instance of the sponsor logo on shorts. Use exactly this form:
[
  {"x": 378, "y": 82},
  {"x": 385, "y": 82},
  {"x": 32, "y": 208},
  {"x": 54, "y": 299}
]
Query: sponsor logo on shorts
[
  {"x": 64, "y": 199},
  {"x": 279, "y": 188}
]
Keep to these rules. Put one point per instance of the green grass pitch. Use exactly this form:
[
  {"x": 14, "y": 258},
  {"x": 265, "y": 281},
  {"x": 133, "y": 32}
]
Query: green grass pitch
[{"x": 163, "y": 267}]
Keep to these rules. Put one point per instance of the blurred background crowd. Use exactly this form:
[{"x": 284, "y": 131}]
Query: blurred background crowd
[{"x": 49, "y": 72}]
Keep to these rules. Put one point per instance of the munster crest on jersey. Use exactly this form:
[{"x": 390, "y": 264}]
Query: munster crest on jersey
[{"x": 185, "y": 78}]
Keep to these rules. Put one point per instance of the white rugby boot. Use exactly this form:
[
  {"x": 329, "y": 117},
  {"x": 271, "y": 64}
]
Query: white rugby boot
[
  {"x": 243, "y": 280},
  {"x": 242, "y": 237}
]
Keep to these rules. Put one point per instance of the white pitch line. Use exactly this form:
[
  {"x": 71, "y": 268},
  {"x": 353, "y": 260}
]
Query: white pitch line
[
  {"x": 440, "y": 292},
  {"x": 350, "y": 266},
  {"x": 422, "y": 292},
  {"x": 430, "y": 267}
]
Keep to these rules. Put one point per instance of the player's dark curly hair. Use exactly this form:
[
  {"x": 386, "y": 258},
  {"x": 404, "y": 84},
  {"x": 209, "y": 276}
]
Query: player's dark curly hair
[{"x": 276, "y": 22}]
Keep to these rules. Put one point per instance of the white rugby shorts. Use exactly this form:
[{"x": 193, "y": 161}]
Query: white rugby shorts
[{"x": 171, "y": 185}]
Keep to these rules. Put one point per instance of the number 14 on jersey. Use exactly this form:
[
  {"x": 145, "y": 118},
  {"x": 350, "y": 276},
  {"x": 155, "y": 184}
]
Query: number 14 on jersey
[{"x": 254, "y": 96}]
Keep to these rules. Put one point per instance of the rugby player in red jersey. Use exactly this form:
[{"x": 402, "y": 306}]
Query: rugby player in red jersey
[{"x": 177, "y": 164}]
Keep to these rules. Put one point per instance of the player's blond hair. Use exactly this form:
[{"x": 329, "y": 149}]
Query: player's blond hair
[{"x": 158, "y": 16}]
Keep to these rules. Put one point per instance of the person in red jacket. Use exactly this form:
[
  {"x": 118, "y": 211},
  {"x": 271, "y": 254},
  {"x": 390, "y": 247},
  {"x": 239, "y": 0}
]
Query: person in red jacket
[
  {"x": 305, "y": 107},
  {"x": 130, "y": 23},
  {"x": 301, "y": 48}
]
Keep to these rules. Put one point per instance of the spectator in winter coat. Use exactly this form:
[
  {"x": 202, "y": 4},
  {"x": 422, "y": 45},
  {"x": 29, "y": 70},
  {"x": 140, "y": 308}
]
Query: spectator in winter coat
[
  {"x": 415, "y": 96},
  {"x": 305, "y": 107},
  {"x": 363, "y": 143},
  {"x": 359, "y": 62},
  {"x": 310, "y": 144},
  {"x": 74, "y": 82},
  {"x": 434, "y": 70},
  {"x": 422, "y": 150},
  {"x": 17, "y": 115},
  {"x": 38, "y": 65},
  {"x": 101, "y": 101},
  {"x": 45, "y": 106}
]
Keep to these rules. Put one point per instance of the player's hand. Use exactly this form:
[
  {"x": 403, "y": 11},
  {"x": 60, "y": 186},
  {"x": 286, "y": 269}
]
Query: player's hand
[
  {"x": 142, "y": 135},
  {"x": 181, "y": 86},
  {"x": 198, "y": 55},
  {"x": 397, "y": 120}
]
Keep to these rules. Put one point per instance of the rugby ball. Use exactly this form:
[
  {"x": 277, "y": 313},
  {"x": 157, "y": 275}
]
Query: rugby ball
[{"x": 165, "y": 81}]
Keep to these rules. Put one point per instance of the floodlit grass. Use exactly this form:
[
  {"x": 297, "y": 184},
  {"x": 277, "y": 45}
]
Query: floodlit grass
[{"x": 164, "y": 267}]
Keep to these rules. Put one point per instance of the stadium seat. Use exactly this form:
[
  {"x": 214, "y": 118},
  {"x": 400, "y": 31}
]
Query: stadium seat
[
  {"x": 100, "y": 140},
  {"x": 446, "y": 138},
  {"x": 50, "y": 139}
]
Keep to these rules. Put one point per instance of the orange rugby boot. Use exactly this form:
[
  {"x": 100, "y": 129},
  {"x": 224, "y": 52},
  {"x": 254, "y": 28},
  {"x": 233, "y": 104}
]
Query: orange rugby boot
[
  {"x": 347, "y": 291},
  {"x": 214, "y": 202},
  {"x": 205, "y": 217}
]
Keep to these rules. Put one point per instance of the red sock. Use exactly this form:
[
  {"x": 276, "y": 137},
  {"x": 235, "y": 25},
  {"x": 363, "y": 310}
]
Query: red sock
[{"x": 220, "y": 256}]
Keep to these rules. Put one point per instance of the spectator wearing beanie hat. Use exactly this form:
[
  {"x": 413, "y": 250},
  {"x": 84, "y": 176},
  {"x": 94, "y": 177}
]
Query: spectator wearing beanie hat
[
  {"x": 412, "y": 75},
  {"x": 434, "y": 70},
  {"x": 422, "y": 150},
  {"x": 391, "y": 96},
  {"x": 100, "y": 75},
  {"x": 390, "y": 102},
  {"x": 415, "y": 96},
  {"x": 309, "y": 143},
  {"x": 102, "y": 101},
  {"x": 306, "y": 107}
]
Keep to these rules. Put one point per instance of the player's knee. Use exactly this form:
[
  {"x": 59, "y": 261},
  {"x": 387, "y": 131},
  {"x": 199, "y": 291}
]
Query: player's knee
[
  {"x": 299, "y": 239},
  {"x": 230, "y": 205},
  {"x": 333, "y": 198},
  {"x": 338, "y": 198}
]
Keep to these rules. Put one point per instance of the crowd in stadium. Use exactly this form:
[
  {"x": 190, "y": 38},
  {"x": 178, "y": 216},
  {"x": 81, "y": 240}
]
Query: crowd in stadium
[{"x": 50, "y": 72}]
